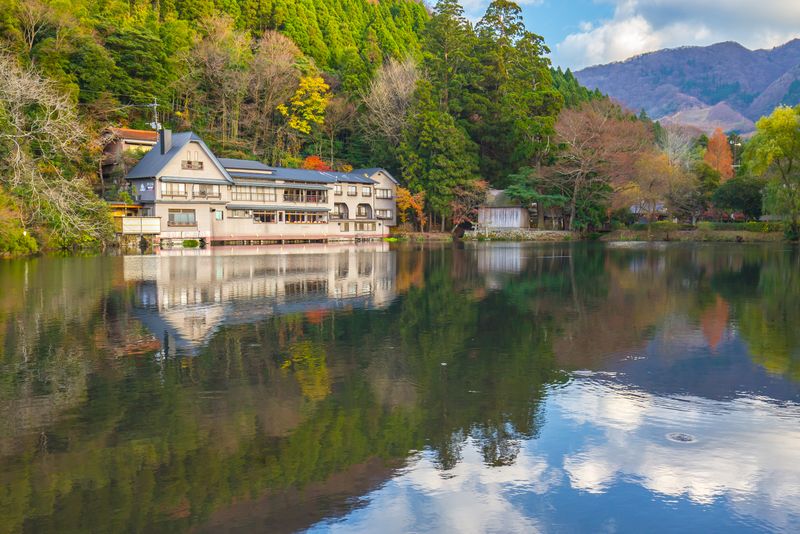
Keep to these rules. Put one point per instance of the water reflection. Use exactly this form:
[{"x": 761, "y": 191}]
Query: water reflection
[
  {"x": 475, "y": 388},
  {"x": 189, "y": 294}
]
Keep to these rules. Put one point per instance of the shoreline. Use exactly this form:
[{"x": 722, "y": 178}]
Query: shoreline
[{"x": 694, "y": 236}]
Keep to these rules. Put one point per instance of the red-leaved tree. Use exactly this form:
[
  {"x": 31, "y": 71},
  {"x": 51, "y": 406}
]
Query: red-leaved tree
[
  {"x": 719, "y": 155},
  {"x": 315, "y": 163}
]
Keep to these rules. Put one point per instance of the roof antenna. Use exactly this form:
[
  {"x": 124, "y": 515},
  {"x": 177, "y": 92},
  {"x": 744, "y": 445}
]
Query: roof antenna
[{"x": 155, "y": 125}]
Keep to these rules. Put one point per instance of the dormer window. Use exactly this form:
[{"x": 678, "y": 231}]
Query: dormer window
[{"x": 192, "y": 161}]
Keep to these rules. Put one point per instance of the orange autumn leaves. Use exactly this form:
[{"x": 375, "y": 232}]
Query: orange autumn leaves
[{"x": 719, "y": 155}]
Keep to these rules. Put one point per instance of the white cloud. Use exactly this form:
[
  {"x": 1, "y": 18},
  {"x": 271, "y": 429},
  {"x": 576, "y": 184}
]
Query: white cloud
[{"x": 640, "y": 26}]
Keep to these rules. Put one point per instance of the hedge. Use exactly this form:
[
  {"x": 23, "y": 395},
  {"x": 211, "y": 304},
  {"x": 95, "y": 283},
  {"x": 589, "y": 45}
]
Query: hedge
[{"x": 751, "y": 226}]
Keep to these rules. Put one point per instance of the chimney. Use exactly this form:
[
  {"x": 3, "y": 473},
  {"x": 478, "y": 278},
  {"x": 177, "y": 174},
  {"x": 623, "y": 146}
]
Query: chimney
[{"x": 166, "y": 140}]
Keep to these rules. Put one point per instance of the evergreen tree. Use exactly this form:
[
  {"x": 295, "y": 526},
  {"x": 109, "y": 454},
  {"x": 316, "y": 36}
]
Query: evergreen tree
[{"x": 436, "y": 155}]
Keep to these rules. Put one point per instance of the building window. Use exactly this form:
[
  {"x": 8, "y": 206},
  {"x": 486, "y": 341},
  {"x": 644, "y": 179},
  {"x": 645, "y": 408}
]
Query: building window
[
  {"x": 364, "y": 211},
  {"x": 366, "y": 191},
  {"x": 205, "y": 191},
  {"x": 365, "y": 227},
  {"x": 383, "y": 193},
  {"x": 192, "y": 161},
  {"x": 309, "y": 196},
  {"x": 240, "y": 214},
  {"x": 383, "y": 214},
  {"x": 170, "y": 190},
  {"x": 253, "y": 194},
  {"x": 340, "y": 211},
  {"x": 302, "y": 217},
  {"x": 352, "y": 190},
  {"x": 182, "y": 218},
  {"x": 265, "y": 216},
  {"x": 337, "y": 189},
  {"x": 218, "y": 215}
]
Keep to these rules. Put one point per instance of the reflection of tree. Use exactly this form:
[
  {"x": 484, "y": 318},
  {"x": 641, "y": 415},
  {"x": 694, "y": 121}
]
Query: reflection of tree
[
  {"x": 768, "y": 314},
  {"x": 143, "y": 444},
  {"x": 307, "y": 360}
]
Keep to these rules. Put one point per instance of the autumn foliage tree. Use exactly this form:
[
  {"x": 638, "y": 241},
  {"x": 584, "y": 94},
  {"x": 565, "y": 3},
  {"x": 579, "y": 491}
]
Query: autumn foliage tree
[
  {"x": 653, "y": 183},
  {"x": 466, "y": 201},
  {"x": 719, "y": 155},
  {"x": 411, "y": 202},
  {"x": 315, "y": 163},
  {"x": 600, "y": 144}
]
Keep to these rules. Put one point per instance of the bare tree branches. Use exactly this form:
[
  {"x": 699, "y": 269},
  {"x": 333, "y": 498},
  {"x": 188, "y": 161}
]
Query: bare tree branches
[
  {"x": 34, "y": 16},
  {"x": 274, "y": 78},
  {"x": 677, "y": 142},
  {"x": 388, "y": 99},
  {"x": 40, "y": 137},
  {"x": 600, "y": 144}
]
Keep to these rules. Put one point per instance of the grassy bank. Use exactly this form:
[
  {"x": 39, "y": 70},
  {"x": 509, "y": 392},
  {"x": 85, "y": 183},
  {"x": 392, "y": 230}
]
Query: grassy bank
[
  {"x": 520, "y": 234},
  {"x": 420, "y": 236},
  {"x": 699, "y": 235}
]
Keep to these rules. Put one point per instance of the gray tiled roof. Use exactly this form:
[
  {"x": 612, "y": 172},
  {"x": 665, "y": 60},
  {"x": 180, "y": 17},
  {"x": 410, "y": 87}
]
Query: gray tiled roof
[
  {"x": 291, "y": 175},
  {"x": 154, "y": 161},
  {"x": 371, "y": 171},
  {"x": 248, "y": 164}
]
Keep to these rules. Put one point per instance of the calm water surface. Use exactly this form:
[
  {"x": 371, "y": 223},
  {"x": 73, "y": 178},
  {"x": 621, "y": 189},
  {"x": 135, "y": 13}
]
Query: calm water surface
[{"x": 508, "y": 388}]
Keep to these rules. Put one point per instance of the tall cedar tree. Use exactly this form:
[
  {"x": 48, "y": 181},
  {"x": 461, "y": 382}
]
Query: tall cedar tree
[
  {"x": 436, "y": 155},
  {"x": 513, "y": 117},
  {"x": 448, "y": 55}
]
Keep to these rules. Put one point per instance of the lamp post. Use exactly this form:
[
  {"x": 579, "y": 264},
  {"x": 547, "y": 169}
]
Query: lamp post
[{"x": 734, "y": 145}]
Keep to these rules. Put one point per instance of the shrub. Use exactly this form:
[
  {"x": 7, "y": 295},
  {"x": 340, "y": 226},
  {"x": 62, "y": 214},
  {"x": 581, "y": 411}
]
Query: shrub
[
  {"x": 14, "y": 240},
  {"x": 750, "y": 226},
  {"x": 191, "y": 243},
  {"x": 661, "y": 226}
]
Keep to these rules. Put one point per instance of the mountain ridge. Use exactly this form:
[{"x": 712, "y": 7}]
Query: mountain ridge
[{"x": 670, "y": 82}]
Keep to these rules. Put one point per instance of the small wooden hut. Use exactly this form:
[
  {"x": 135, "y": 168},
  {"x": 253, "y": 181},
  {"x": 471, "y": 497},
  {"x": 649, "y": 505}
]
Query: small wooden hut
[{"x": 501, "y": 212}]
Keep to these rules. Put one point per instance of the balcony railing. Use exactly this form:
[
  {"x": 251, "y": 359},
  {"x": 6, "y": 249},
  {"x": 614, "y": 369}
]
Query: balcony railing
[
  {"x": 201, "y": 194},
  {"x": 137, "y": 225}
]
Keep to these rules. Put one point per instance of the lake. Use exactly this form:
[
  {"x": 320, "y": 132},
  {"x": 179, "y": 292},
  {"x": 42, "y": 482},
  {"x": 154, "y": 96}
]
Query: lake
[{"x": 419, "y": 388}]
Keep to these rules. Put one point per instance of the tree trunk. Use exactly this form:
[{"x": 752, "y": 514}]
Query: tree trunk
[{"x": 572, "y": 205}]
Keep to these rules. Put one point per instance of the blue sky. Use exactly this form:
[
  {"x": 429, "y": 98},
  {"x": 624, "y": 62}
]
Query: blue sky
[{"x": 588, "y": 32}]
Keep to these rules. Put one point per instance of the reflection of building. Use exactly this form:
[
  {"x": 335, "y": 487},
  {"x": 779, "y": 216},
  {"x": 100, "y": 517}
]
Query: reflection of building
[
  {"x": 497, "y": 259},
  {"x": 188, "y": 294}
]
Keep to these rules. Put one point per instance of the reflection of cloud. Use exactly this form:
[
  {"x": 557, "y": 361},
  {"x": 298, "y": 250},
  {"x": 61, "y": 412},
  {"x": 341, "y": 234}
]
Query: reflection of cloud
[
  {"x": 746, "y": 451},
  {"x": 471, "y": 497},
  {"x": 599, "y": 437}
]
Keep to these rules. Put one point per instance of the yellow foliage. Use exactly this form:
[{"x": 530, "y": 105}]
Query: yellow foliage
[{"x": 307, "y": 105}]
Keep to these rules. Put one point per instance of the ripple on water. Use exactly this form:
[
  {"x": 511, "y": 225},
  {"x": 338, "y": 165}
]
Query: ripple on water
[{"x": 681, "y": 437}]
